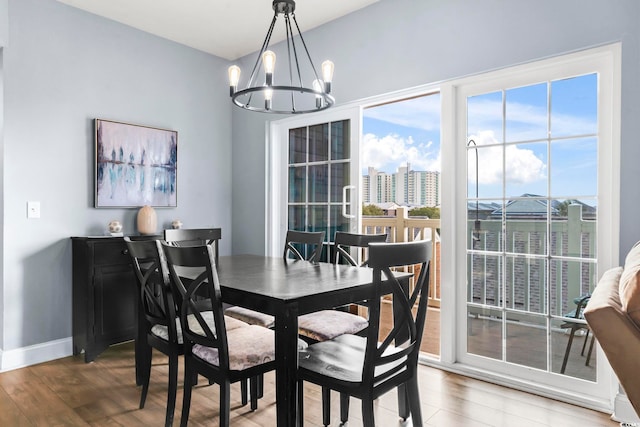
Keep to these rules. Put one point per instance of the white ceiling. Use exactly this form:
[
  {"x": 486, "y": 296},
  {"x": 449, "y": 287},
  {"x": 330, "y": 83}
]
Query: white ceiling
[{"x": 226, "y": 28}]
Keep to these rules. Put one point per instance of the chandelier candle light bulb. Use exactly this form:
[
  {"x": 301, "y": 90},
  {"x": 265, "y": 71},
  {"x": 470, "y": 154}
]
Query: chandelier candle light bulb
[
  {"x": 317, "y": 86},
  {"x": 269, "y": 63},
  {"x": 327, "y": 75},
  {"x": 268, "y": 96},
  {"x": 234, "y": 78}
]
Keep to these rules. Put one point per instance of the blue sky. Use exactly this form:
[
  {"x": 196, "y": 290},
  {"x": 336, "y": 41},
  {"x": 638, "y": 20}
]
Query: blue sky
[
  {"x": 409, "y": 131},
  {"x": 401, "y": 132}
]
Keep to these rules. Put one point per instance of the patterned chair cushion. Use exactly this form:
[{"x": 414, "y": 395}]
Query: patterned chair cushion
[
  {"x": 248, "y": 346},
  {"x": 251, "y": 317},
  {"x": 327, "y": 324},
  {"x": 162, "y": 332}
]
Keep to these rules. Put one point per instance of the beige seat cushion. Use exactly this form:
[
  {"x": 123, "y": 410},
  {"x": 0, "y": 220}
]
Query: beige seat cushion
[
  {"x": 630, "y": 285},
  {"x": 251, "y": 317},
  {"x": 162, "y": 331},
  {"x": 327, "y": 324},
  {"x": 248, "y": 346}
]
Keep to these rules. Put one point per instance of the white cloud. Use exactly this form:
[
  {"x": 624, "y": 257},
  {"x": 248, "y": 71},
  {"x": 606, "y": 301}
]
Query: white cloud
[
  {"x": 388, "y": 152},
  {"x": 522, "y": 165}
]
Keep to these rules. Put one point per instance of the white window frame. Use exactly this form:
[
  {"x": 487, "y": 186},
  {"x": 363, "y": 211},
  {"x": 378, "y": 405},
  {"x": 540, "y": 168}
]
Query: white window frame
[
  {"x": 605, "y": 60},
  {"x": 277, "y": 155}
]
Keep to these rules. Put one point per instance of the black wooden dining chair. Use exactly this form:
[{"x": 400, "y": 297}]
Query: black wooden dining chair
[
  {"x": 343, "y": 241},
  {"x": 222, "y": 355},
  {"x": 367, "y": 367},
  {"x": 328, "y": 324},
  {"x": 158, "y": 321},
  {"x": 305, "y": 245},
  {"x": 194, "y": 237},
  {"x": 156, "y": 318}
]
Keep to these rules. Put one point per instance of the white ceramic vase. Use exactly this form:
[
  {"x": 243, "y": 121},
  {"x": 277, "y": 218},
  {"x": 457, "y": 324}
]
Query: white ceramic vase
[{"x": 147, "y": 220}]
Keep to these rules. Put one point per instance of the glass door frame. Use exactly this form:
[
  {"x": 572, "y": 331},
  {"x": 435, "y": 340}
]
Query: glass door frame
[
  {"x": 277, "y": 154},
  {"x": 606, "y": 62}
]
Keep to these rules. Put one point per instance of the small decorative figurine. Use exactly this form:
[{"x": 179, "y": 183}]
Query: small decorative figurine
[{"x": 115, "y": 228}]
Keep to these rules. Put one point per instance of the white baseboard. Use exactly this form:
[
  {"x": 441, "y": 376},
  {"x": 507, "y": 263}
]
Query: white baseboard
[
  {"x": 31, "y": 355},
  {"x": 623, "y": 410}
]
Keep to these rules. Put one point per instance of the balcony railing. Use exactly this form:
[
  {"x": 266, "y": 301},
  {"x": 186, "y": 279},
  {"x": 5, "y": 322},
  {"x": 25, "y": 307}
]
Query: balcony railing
[
  {"x": 402, "y": 228},
  {"x": 571, "y": 266}
]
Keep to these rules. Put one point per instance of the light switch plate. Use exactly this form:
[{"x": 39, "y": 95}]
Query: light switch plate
[{"x": 33, "y": 209}]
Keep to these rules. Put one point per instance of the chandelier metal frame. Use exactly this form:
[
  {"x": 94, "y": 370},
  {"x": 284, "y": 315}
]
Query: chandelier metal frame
[{"x": 318, "y": 96}]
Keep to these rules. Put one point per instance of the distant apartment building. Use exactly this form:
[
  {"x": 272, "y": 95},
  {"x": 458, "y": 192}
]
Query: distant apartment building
[{"x": 405, "y": 187}]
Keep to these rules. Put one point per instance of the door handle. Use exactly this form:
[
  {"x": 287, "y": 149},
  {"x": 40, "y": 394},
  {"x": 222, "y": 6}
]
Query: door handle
[{"x": 345, "y": 189}]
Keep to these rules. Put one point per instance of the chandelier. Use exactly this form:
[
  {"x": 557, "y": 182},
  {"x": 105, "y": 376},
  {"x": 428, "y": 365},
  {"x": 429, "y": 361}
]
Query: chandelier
[{"x": 273, "y": 94}]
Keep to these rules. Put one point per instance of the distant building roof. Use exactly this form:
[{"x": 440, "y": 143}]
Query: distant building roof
[
  {"x": 533, "y": 205},
  {"x": 387, "y": 205}
]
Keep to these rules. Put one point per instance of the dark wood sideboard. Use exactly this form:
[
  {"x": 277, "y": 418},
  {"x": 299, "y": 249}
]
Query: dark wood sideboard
[{"x": 104, "y": 295}]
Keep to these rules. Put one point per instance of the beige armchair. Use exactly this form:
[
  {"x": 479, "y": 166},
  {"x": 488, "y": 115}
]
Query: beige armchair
[{"x": 612, "y": 316}]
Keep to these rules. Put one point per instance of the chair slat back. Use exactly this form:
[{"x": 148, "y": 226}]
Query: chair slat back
[
  {"x": 343, "y": 241},
  {"x": 155, "y": 299},
  {"x": 407, "y": 331},
  {"x": 194, "y": 237},
  {"x": 199, "y": 292},
  {"x": 310, "y": 240}
]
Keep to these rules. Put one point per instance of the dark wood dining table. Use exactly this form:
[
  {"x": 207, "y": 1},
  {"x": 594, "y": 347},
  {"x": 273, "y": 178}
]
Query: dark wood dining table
[{"x": 287, "y": 289}]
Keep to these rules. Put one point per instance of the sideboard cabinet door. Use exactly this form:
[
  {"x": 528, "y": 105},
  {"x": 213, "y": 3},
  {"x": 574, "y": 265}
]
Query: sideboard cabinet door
[{"x": 104, "y": 295}]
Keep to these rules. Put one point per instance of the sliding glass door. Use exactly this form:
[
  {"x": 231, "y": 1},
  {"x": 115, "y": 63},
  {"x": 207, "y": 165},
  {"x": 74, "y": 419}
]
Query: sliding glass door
[
  {"x": 534, "y": 144},
  {"x": 321, "y": 189}
]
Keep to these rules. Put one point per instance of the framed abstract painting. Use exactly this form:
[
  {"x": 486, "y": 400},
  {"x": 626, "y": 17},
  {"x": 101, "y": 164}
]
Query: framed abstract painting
[{"x": 135, "y": 165}]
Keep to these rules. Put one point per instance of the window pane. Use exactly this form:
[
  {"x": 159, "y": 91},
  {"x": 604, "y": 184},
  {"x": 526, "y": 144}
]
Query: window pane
[
  {"x": 526, "y": 226},
  {"x": 318, "y": 183},
  {"x": 340, "y": 140},
  {"x": 319, "y": 219},
  {"x": 573, "y": 228},
  {"x": 526, "y": 169},
  {"x": 570, "y": 280},
  {"x": 484, "y": 118},
  {"x": 527, "y": 340},
  {"x": 576, "y": 361},
  {"x": 297, "y": 218},
  {"x": 319, "y": 142},
  {"x": 573, "y": 167},
  {"x": 526, "y": 284},
  {"x": 485, "y": 282},
  {"x": 574, "y": 106},
  {"x": 339, "y": 178},
  {"x": 486, "y": 234},
  {"x": 297, "y": 184},
  {"x": 526, "y": 113},
  {"x": 298, "y": 145},
  {"x": 484, "y": 336},
  {"x": 489, "y": 171},
  {"x": 338, "y": 222}
]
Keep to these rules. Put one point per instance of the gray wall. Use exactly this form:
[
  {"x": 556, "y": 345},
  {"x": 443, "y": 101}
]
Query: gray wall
[
  {"x": 63, "y": 68},
  {"x": 398, "y": 44}
]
